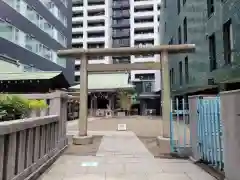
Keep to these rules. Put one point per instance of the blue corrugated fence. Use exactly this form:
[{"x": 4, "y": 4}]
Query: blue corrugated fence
[
  {"x": 209, "y": 135},
  {"x": 209, "y": 131}
]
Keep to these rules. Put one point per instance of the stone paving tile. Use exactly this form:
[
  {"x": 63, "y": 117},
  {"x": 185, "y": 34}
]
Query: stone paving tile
[
  {"x": 117, "y": 160},
  {"x": 160, "y": 161},
  {"x": 142, "y": 167},
  {"x": 126, "y": 176},
  {"x": 95, "y": 176},
  {"x": 69, "y": 159},
  {"x": 200, "y": 176},
  {"x": 67, "y": 170},
  {"x": 167, "y": 176},
  {"x": 46, "y": 176},
  {"x": 180, "y": 168},
  {"x": 106, "y": 168},
  {"x": 122, "y": 156}
]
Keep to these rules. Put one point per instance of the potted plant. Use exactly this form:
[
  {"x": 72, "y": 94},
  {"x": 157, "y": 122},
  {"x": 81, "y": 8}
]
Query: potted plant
[
  {"x": 43, "y": 107},
  {"x": 38, "y": 107},
  {"x": 34, "y": 106}
]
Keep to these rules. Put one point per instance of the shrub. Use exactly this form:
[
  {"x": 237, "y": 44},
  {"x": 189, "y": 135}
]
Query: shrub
[
  {"x": 37, "y": 104},
  {"x": 17, "y": 107},
  {"x": 124, "y": 99},
  {"x": 13, "y": 107}
]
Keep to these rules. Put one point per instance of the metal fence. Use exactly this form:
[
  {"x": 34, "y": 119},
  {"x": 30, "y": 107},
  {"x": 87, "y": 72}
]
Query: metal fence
[
  {"x": 197, "y": 130},
  {"x": 179, "y": 126},
  {"x": 209, "y": 131}
]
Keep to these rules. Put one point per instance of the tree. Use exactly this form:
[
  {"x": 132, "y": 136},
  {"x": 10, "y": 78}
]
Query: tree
[{"x": 125, "y": 99}]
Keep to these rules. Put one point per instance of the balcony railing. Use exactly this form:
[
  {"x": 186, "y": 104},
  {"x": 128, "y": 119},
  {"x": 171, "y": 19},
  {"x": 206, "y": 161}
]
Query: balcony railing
[
  {"x": 121, "y": 5},
  {"x": 148, "y": 86},
  {"x": 120, "y": 34},
  {"x": 121, "y": 43},
  {"x": 145, "y": 86},
  {"x": 121, "y": 14}
]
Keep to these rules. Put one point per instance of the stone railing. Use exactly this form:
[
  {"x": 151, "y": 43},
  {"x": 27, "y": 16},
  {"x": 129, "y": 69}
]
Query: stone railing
[{"x": 29, "y": 146}]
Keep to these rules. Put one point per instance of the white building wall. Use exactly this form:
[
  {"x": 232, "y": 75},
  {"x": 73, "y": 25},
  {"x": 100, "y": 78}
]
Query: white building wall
[
  {"x": 85, "y": 8},
  {"x": 135, "y": 37},
  {"x": 107, "y": 39}
]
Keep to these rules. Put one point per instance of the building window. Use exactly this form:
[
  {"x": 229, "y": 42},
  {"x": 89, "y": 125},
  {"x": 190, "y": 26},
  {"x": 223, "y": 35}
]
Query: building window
[
  {"x": 212, "y": 52},
  {"x": 186, "y": 70},
  {"x": 165, "y": 27},
  {"x": 179, "y": 6},
  {"x": 180, "y": 73},
  {"x": 77, "y": 67},
  {"x": 171, "y": 41},
  {"x": 146, "y": 76},
  {"x": 210, "y": 7},
  {"x": 227, "y": 41},
  {"x": 184, "y": 2},
  {"x": 179, "y": 35},
  {"x": 34, "y": 17},
  {"x": 77, "y": 78},
  {"x": 165, "y": 3},
  {"x": 51, "y": 6},
  {"x": 27, "y": 41},
  {"x": 173, "y": 76},
  {"x": 185, "y": 30},
  {"x": 170, "y": 75}
]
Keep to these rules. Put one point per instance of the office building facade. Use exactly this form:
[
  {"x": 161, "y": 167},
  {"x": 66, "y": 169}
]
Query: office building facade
[
  {"x": 212, "y": 25},
  {"x": 32, "y": 31}
]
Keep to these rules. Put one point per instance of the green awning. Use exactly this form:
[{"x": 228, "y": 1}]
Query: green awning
[
  {"x": 106, "y": 82},
  {"x": 9, "y": 76}
]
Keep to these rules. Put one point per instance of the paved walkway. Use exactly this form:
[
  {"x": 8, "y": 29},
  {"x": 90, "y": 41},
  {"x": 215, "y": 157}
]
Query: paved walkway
[{"x": 122, "y": 156}]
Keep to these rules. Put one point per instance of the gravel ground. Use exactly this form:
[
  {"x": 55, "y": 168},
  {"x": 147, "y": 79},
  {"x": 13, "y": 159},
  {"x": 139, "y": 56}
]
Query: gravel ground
[
  {"x": 158, "y": 152},
  {"x": 84, "y": 150},
  {"x": 146, "y": 128},
  {"x": 140, "y": 125}
]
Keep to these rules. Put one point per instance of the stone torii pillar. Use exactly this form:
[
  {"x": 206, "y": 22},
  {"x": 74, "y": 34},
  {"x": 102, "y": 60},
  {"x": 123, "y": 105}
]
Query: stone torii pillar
[
  {"x": 165, "y": 95},
  {"x": 83, "y": 137}
]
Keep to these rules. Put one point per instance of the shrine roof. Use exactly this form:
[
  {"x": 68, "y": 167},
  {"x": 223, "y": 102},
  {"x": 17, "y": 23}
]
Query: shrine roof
[{"x": 106, "y": 82}]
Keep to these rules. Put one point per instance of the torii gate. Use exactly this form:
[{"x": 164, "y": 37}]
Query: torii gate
[{"x": 85, "y": 68}]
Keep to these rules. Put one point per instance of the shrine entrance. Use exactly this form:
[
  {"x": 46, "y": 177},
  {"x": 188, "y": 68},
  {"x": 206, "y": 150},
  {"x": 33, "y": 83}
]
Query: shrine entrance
[
  {"x": 103, "y": 95},
  {"x": 86, "y": 68}
]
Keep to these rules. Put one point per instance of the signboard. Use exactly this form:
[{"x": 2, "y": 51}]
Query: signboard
[{"x": 122, "y": 127}]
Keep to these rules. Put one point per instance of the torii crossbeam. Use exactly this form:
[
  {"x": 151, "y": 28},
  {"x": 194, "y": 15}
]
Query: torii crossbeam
[{"x": 163, "y": 50}]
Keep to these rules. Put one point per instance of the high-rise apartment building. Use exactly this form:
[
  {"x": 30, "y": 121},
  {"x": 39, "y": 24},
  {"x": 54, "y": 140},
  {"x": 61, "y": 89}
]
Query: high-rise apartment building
[
  {"x": 32, "y": 31},
  {"x": 117, "y": 23},
  {"x": 91, "y": 28}
]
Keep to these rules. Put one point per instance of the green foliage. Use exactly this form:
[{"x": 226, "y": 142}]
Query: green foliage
[
  {"x": 134, "y": 98},
  {"x": 124, "y": 99},
  {"x": 37, "y": 104},
  {"x": 17, "y": 107},
  {"x": 2, "y": 113},
  {"x": 13, "y": 107}
]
